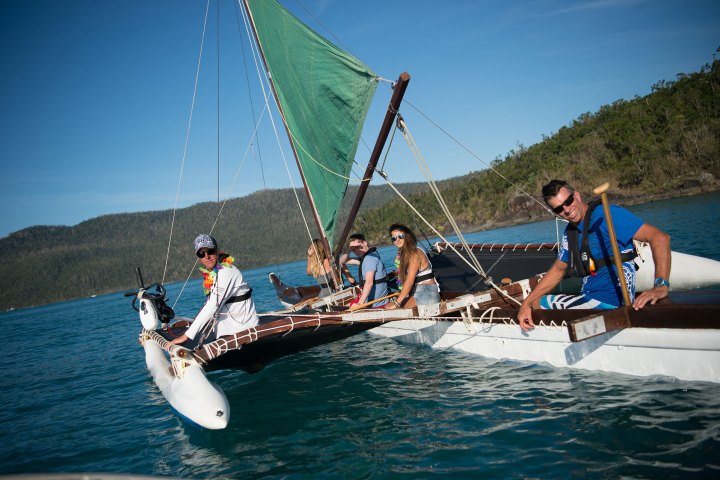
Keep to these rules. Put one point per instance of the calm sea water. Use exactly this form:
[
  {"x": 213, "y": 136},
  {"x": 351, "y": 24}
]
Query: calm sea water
[{"x": 76, "y": 397}]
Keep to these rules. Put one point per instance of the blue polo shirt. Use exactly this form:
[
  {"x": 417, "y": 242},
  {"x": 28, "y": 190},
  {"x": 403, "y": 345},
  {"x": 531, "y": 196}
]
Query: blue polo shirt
[{"x": 372, "y": 263}]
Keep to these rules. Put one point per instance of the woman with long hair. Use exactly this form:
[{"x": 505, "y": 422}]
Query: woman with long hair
[
  {"x": 318, "y": 266},
  {"x": 419, "y": 286}
]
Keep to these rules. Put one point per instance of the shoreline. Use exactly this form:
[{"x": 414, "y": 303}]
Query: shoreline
[{"x": 535, "y": 214}]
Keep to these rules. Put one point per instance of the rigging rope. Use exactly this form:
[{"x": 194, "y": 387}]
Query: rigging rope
[
  {"x": 264, "y": 80},
  {"x": 187, "y": 140},
  {"x": 436, "y": 191},
  {"x": 473, "y": 263},
  {"x": 489, "y": 166}
]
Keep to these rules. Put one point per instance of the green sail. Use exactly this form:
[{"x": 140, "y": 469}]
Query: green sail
[{"x": 325, "y": 94}]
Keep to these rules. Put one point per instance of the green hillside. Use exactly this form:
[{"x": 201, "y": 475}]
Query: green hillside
[
  {"x": 661, "y": 145},
  {"x": 100, "y": 255}
]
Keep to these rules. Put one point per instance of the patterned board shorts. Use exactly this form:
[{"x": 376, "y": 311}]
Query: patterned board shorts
[{"x": 566, "y": 302}]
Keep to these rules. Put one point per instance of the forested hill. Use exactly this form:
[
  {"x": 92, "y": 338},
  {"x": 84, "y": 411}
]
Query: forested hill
[
  {"x": 664, "y": 144},
  {"x": 661, "y": 145},
  {"x": 46, "y": 264}
]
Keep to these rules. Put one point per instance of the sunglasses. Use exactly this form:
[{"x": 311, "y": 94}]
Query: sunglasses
[
  {"x": 399, "y": 236},
  {"x": 208, "y": 252},
  {"x": 568, "y": 201}
]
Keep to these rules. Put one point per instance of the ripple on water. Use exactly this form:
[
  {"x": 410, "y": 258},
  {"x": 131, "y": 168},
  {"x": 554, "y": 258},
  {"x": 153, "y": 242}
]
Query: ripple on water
[{"x": 77, "y": 397}]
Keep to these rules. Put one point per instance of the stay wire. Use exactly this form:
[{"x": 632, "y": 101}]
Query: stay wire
[
  {"x": 187, "y": 141},
  {"x": 467, "y": 149},
  {"x": 264, "y": 80},
  {"x": 474, "y": 264},
  {"x": 435, "y": 190}
]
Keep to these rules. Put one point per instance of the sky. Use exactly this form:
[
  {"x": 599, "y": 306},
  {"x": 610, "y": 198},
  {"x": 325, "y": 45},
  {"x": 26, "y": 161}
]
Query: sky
[{"x": 96, "y": 97}]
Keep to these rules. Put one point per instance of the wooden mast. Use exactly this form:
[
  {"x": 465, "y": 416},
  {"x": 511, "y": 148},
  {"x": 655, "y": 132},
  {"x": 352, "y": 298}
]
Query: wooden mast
[
  {"x": 393, "y": 106},
  {"x": 316, "y": 216}
]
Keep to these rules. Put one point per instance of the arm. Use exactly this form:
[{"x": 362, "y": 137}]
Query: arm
[
  {"x": 369, "y": 282},
  {"x": 548, "y": 282},
  {"x": 310, "y": 252},
  {"x": 224, "y": 284},
  {"x": 660, "y": 245},
  {"x": 344, "y": 262},
  {"x": 181, "y": 339}
]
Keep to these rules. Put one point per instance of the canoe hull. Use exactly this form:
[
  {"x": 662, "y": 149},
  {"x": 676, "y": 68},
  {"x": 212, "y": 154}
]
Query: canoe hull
[
  {"x": 525, "y": 260},
  {"x": 687, "y": 354}
]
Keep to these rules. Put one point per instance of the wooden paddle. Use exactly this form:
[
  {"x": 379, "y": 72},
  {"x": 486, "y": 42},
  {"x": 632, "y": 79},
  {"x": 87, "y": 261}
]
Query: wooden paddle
[
  {"x": 613, "y": 240},
  {"x": 377, "y": 300}
]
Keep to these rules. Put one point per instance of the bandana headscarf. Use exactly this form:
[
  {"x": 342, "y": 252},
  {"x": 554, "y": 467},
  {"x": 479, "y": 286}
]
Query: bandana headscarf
[{"x": 204, "y": 241}]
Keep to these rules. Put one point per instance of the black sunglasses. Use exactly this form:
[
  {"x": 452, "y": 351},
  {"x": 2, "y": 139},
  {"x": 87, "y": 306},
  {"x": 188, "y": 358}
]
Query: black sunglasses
[
  {"x": 568, "y": 201},
  {"x": 209, "y": 251},
  {"x": 399, "y": 236}
]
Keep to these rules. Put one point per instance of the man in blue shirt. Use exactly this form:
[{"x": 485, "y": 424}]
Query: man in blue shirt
[
  {"x": 371, "y": 273},
  {"x": 601, "y": 284}
]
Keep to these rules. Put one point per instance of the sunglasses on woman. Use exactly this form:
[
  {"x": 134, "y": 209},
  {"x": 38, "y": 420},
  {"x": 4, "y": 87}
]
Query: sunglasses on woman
[
  {"x": 568, "y": 201},
  {"x": 399, "y": 236},
  {"x": 209, "y": 251}
]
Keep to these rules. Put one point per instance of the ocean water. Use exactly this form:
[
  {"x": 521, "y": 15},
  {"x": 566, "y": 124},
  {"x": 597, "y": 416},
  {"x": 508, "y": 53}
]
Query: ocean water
[{"x": 76, "y": 397}]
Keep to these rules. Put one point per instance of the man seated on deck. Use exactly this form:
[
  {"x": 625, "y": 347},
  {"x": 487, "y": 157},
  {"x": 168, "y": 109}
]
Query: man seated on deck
[
  {"x": 600, "y": 284},
  {"x": 371, "y": 272},
  {"x": 228, "y": 295}
]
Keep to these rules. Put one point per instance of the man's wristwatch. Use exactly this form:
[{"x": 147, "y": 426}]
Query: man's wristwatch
[{"x": 661, "y": 282}]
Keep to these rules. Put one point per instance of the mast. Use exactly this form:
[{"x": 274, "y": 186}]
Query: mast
[
  {"x": 316, "y": 216},
  {"x": 393, "y": 106}
]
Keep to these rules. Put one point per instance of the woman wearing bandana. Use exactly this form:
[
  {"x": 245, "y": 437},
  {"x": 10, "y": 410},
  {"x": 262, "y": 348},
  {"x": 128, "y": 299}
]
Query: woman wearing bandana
[{"x": 228, "y": 295}]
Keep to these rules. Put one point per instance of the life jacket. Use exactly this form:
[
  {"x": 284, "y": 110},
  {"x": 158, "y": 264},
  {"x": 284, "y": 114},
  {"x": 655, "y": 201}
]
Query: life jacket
[
  {"x": 361, "y": 277},
  {"x": 581, "y": 262}
]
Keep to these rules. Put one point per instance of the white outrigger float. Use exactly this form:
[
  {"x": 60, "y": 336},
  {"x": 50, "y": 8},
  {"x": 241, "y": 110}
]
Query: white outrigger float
[{"x": 180, "y": 377}]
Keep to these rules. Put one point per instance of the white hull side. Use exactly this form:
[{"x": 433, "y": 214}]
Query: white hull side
[
  {"x": 686, "y": 273},
  {"x": 684, "y": 354},
  {"x": 190, "y": 393}
]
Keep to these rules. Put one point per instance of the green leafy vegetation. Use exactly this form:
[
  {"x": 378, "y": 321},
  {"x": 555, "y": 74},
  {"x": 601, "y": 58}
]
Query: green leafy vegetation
[
  {"x": 661, "y": 145},
  {"x": 46, "y": 264}
]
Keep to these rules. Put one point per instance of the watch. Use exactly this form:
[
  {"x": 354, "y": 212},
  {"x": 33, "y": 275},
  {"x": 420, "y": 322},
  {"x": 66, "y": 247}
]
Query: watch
[{"x": 661, "y": 282}]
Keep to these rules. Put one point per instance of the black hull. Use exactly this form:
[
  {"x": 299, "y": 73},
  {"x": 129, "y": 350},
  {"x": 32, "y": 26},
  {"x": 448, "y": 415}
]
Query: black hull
[
  {"x": 275, "y": 337},
  {"x": 500, "y": 262},
  {"x": 253, "y": 357}
]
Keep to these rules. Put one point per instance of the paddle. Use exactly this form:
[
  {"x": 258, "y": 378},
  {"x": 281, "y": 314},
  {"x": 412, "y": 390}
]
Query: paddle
[
  {"x": 613, "y": 240},
  {"x": 376, "y": 300}
]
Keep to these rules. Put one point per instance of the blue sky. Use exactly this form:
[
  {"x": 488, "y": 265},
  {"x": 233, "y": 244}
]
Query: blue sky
[{"x": 95, "y": 96}]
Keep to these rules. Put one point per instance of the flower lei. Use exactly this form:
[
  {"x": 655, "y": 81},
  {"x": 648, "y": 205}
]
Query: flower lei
[
  {"x": 209, "y": 276},
  {"x": 397, "y": 269}
]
